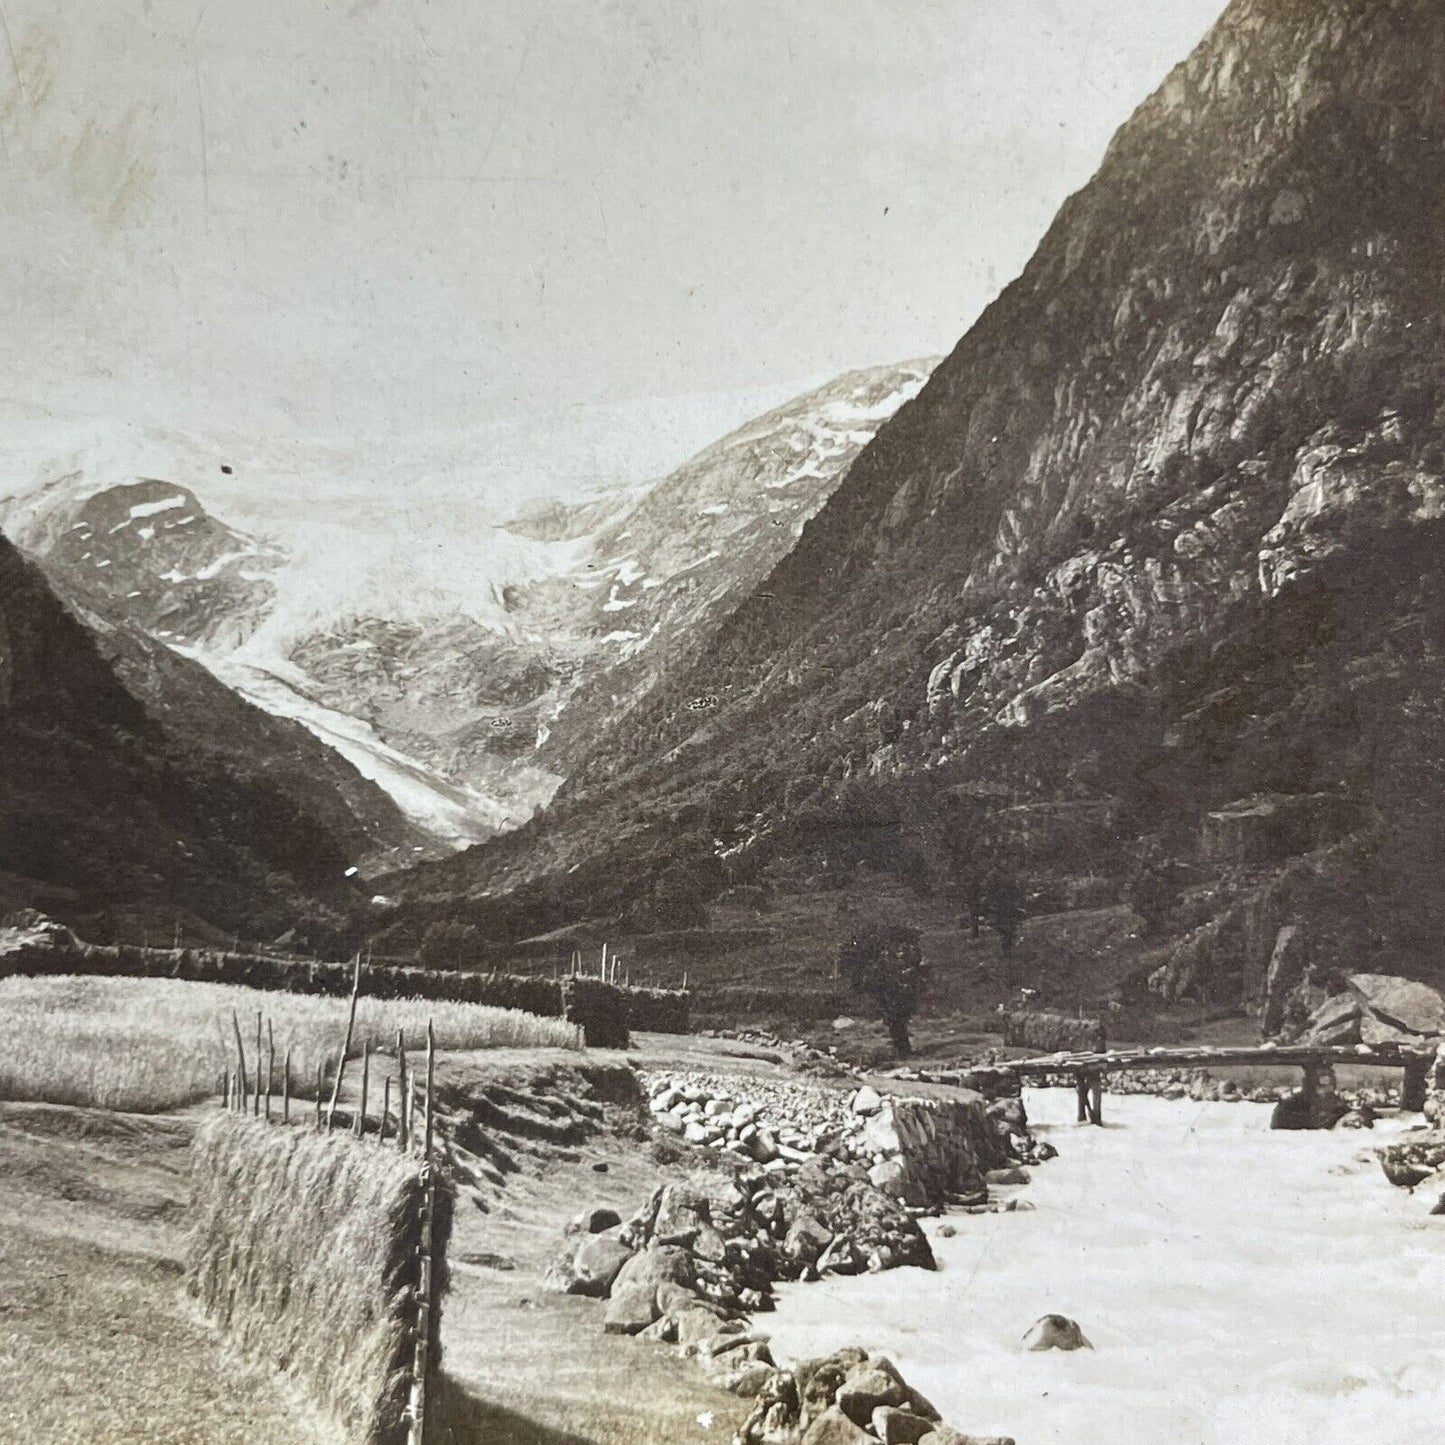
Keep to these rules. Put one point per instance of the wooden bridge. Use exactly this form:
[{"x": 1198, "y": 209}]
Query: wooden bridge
[{"x": 1316, "y": 1060}]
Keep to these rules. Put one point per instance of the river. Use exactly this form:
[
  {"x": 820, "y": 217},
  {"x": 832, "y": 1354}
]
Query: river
[{"x": 1240, "y": 1287}]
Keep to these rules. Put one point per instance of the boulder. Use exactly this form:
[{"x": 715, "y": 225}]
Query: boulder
[
  {"x": 1336, "y": 1021},
  {"x": 1403, "y": 1003},
  {"x": 868, "y": 1386},
  {"x": 806, "y": 1239},
  {"x": 891, "y": 1176},
  {"x": 899, "y": 1427},
  {"x": 747, "y": 1380},
  {"x": 594, "y": 1221},
  {"x": 1292, "y": 1112},
  {"x": 1012, "y": 1113},
  {"x": 833, "y": 1427},
  {"x": 631, "y": 1310},
  {"x": 638, "y": 1291},
  {"x": 818, "y": 1381},
  {"x": 944, "y": 1436},
  {"x": 597, "y": 1264},
  {"x": 1055, "y": 1332},
  {"x": 561, "y": 1274},
  {"x": 682, "y": 1211},
  {"x": 1403, "y": 1173},
  {"x": 1013, "y": 1174},
  {"x": 1361, "y": 1117},
  {"x": 866, "y": 1101},
  {"x": 1376, "y": 1031},
  {"x": 1286, "y": 969}
]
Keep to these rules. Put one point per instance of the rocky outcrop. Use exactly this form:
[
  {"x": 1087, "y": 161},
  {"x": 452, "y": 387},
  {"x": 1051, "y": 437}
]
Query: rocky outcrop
[
  {"x": 1161, "y": 534},
  {"x": 1379, "y": 1009},
  {"x": 1397, "y": 1009},
  {"x": 850, "y": 1397},
  {"x": 1272, "y": 829}
]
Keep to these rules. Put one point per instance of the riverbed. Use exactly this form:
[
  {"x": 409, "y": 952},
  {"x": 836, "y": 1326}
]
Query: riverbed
[{"x": 1239, "y": 1287}]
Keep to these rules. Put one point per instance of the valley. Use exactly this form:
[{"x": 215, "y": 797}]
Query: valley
[{"x": 916, "y": 921}]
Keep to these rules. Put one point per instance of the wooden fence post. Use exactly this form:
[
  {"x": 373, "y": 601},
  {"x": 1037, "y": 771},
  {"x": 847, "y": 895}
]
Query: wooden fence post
[
  {"x": 403, "y": 1096},
  {"x": 256, "y": 1097},
  {"x": 286, "y": 1087},
  {"x": 360, "y": 1126},
  {"x": 385, "y": 1109},
  {"x": 270, "y": 1067},
  {"x": 421, "y": 1361},
  {"x": 240, "y": 1059},
  {"x": 431, "y": 1061},
  {"x": 346, "y": 1047},
  {"x": 320, "y": 1085}
]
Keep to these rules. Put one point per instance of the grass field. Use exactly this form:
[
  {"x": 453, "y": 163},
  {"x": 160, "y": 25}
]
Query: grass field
[{"x": 145, "y": 1045}]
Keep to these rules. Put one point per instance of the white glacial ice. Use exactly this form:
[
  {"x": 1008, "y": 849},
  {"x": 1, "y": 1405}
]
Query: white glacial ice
[{"x": 1240, "y": 1287}]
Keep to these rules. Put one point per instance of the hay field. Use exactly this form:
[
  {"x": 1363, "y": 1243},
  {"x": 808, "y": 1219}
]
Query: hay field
[{"x": 144, "y": 1045}]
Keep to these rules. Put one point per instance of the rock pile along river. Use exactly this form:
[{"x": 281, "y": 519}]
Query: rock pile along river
[{"x": 1237, "y": 1285}]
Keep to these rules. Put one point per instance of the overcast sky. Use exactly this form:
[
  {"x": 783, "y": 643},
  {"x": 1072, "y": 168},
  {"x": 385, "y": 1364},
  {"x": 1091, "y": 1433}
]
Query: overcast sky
[{"x": 570, "y": 237}]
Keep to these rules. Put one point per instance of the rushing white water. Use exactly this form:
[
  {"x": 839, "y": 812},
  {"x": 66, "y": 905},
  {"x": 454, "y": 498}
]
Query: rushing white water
[{"x": 1240, "y": 1287}]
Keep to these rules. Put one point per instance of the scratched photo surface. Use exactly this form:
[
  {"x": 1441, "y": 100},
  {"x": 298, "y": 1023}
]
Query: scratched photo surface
[{"x": 721, "y": 721}]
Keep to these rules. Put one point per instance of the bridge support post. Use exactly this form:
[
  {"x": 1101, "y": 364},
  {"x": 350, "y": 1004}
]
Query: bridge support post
[
  {"x": 1413, "y": 1087},
  {"x": 1081, "y": 1086},
  {"x": 1322, "y": 1106},
  {"x": 1096, "y": 1099}
]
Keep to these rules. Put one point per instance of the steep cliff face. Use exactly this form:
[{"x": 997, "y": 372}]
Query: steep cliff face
[{"x": 1160, "y": 534}]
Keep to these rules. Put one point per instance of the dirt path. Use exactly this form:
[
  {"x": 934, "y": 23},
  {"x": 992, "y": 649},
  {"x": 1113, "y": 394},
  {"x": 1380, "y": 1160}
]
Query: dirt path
[
  {"x": 98, "y": 1345},
  {"x": 530, "y": 1367}
]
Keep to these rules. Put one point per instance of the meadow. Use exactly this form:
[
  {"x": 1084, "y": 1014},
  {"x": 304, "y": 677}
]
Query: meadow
[{"x": 145, "y": 1045}]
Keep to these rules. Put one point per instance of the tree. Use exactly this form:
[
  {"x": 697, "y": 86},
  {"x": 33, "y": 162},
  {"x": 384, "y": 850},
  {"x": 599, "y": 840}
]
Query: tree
[
  {"x": 885, "y": 962},
  {"x": 449, "y": 942},
  {"x": 1003, "y": 905}
]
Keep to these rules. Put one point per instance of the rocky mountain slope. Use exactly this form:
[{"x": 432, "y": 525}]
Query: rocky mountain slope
[
  {"x": 469, "y": 696},
  {"x": 1139, "y": 599},
  {"x": 136, "y": 792},
  {"x": 598, "y": 600}
]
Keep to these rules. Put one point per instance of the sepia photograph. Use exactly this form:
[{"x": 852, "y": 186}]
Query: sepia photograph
[{"x": 722, "y": 722}]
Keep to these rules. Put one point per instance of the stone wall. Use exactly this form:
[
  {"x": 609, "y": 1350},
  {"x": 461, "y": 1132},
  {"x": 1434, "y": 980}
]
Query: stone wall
[
  {"x": 935, "y": 1150},
  {"x": 1050, "y": 1033}
]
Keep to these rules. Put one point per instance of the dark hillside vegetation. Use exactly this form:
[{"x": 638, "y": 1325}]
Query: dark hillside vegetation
[{"x": 104, "y": 811}]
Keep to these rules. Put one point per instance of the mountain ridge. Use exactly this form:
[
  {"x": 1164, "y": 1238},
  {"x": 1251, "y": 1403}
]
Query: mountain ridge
[{"x": 1214, "y": 392}]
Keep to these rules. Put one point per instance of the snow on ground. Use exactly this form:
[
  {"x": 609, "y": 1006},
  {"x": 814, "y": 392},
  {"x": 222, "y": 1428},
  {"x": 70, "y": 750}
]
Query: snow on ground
[
  {"x": 1238, "y": 1286},
  {"x": 450, "y": 811},
  {"x": 154, "y": 509}
]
